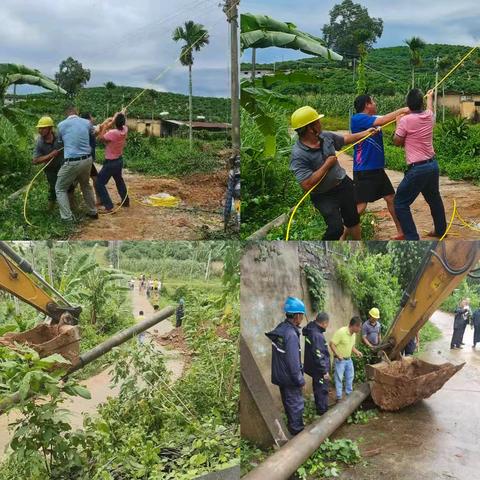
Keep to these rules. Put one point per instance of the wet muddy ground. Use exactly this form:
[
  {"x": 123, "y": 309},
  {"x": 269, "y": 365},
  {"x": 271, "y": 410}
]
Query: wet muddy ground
[
  {"x": 434, "y": 439},
  {"x": 466, "y": 195},
  {"x": 200, "y": 210}
]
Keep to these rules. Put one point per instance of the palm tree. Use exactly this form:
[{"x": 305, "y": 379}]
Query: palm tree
[
  {"x": 12, "y": 74},
  {"x": 195, "y": 37},
  {"x": 415, "y": 45}
]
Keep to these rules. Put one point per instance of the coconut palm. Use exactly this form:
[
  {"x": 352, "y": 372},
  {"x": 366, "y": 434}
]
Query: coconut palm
[
  {"x": 12, "y": 74},
  {"x": 195, "y": 37},
  {"x": 415, "y": 45}
]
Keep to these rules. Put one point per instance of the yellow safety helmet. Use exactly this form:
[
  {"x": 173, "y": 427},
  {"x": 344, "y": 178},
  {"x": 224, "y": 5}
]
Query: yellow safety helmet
[
  {"x": 45, "y": 122},
  {"x": 304, "y": 116},
  {"x": 374, "y": 313}
]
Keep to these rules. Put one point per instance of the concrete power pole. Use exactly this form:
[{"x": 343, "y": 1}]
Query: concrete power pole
[
  {"x": 231, "y": 10},
  {"x": 435, "y": 100}
]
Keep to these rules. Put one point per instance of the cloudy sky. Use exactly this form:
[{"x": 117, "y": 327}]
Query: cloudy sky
[
  {"x": 128, "y": 42},
  {"x": 440, "y": 21}
]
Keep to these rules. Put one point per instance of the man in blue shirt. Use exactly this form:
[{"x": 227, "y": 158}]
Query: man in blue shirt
[
  {"x": 74, "y": 132},
  {"x": 369, "y": 177}
]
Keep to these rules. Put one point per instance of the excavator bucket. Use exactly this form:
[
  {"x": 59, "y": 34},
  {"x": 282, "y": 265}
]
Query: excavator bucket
[
  {"x": 397, "y": 384},
  {"x": 47, "y": 340}
]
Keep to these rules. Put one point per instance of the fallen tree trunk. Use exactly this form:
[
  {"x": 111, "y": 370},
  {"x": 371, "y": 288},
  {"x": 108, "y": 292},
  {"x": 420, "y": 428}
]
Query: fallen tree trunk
[{"x": 285, "y": 461}]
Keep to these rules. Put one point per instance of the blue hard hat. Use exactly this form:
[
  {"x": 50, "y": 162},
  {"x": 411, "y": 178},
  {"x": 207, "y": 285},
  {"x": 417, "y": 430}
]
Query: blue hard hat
[{"x": 294, "y": 305}]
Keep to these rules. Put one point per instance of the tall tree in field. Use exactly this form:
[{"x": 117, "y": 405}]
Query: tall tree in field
[
  {"x": 415, "y": 45},
  {"x": 195, "y": 37},
  {"x": 346, "y": 20},
  {"x": 72, "y": 76}
]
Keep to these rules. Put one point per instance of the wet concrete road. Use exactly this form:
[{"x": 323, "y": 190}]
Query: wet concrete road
[{"x": 438, "y": 438}]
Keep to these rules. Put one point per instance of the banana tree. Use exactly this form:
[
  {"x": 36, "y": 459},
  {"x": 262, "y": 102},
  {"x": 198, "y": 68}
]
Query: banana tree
[
  {"x": 13, "y": 74},
  {"x": 261, "y": 31}
]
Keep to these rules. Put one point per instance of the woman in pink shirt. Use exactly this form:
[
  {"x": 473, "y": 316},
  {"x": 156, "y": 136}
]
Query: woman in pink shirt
[
  {"x": 114, "y": 139},
  {"x": 415, "y": 133}
]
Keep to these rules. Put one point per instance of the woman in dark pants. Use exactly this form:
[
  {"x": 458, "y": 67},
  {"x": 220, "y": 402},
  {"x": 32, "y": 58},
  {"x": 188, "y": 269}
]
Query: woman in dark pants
[{"x": 115, "y": 140}]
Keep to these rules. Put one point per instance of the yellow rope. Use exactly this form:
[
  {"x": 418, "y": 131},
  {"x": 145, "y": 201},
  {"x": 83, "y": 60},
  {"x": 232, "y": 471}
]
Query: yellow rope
[{"x": 294, "y": 211}]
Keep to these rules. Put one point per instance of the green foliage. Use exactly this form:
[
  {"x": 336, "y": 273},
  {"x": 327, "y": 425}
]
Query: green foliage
[
  {"x": 468, "y": 288},
  {"x": 362, "y": 417},
  {"x": 316, "y": 287},
  {"x": 71, "y": 76}
]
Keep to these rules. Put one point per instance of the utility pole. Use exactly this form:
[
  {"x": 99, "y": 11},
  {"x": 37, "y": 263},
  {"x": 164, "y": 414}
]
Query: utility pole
[
  {"x": 436, "y": 88},
  {"x": 231, "y": 10},
  {"x": 254, "y": 64}
]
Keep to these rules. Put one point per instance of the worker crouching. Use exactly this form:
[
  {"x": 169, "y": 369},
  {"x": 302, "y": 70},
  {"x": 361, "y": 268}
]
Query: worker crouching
[
  {"x": 317, "y": 360},
  {"x": 287, "y": 371}
]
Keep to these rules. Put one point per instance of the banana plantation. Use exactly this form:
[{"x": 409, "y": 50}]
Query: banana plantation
[{"x": 123, "y": 362}]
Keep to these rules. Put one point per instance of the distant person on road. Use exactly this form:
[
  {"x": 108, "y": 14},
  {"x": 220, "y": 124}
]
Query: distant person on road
[
  {"x": 476, "y": 327},
  {"x": 317, "y": 360},
  {"x": 369, "y": 177},
  {"x": 415, "y": 133},
  {"x": 179, "y": 313},
  {"x": 115, "y": 140},
  {"x": 343, "y": 345},
  {"x": 372, "y": 329},
  {"x": 141, "y": 335},
  {"x": 460, "y": 323},
  {"x": 74, "y": 132},
  {"x": 314, "y": 159},
  {"x": 156, "y": 308},
  {"x": 287, "y": 371},
  {"x": 49, "y": 149}
]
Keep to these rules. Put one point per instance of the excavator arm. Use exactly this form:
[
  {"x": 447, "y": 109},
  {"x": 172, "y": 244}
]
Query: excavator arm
[
  {"x": 442, "y": 270},
  {"x": 19, "y": 278}
]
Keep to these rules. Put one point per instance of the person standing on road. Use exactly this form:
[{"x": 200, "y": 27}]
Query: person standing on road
[
  {"x": 74, "y": 132},
  {"x": 141, "y": 335},
  {"x": 343, "y": 345},
  {"x": 49, "y": 150},
  {"x": 317, "y": 360},
  {"x": 459, "y": 324},
  {"x": 372, "y": 329},
  {"x": 314, "y": 160},
  {"x": 415, "y": 133},
  {"x": 287, "y": 371},
  {"x": 179, "y": 313},
  {"x": 476, "y": 327},
  {"x": 369, "y": 177},
  {"x": 115, "y": 140}
]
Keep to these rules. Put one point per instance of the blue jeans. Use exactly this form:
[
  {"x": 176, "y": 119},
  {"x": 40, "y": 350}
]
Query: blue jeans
[
  {"x": 420, "y": 179},
  {"x": 111, "y": 168},
  {"x": 343, "y": 367}
]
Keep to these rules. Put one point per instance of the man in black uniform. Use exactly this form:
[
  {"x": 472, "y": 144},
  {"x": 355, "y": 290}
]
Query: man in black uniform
[
  {"x": 317, "y": 360},
  {"x": 287, "y": 370}
]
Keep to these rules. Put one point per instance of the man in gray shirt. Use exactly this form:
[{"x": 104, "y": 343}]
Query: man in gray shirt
[
  {"x": 371, "y": 329},
  {"x": 314, "y": 160}
]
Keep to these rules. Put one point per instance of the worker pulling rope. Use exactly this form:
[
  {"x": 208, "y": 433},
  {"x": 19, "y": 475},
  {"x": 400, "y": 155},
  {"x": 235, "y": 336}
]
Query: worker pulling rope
[
  {"x": 185, "y": 52},
  {"x": 349, "y": 147}
]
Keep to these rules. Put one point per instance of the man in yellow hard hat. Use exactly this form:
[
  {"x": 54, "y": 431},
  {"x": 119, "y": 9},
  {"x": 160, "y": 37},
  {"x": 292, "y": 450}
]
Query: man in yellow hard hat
[
  {"x": 48, "y": 149},
  {"x": 372, "y": 329},
  {"x": 314, "y": 160}
]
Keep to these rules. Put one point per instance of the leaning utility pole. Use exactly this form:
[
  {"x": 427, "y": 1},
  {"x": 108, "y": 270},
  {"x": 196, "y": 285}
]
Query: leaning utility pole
[
  {"x": 231, "y": 10},
  {"x": 436, "y": 88}
]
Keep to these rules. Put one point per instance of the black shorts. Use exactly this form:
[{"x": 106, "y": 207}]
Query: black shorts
[
  {"x": 338, "y": 208},
  {"x": 372, "y": 185}
]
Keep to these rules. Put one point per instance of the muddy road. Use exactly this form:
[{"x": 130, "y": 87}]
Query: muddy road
[
  {"x": 434, "y": 439},
  {"x": 200, "y": 209},
  {"x": 466, "y": 195}
]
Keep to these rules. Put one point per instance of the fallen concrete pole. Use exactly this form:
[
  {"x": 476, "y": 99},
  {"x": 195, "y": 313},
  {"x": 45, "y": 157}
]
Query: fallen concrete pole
[
  {"x": 263, "y": 231},
  {"x": 232, "y": 473},
  {"x": 99, "y": 350},
  {"x": 119, "y": 338},
  {"x": 285, "y": 461}
]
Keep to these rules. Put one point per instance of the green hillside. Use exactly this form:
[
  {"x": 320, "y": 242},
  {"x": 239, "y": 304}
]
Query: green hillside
[
  {"x": 388, "y": 71},
  {"x": 98, "y": 100}
]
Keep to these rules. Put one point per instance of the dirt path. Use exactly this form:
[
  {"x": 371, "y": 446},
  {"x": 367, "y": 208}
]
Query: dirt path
[
  {"x": 466, "y": 194},
  {"x": 434, "y": 439},
  {"x": 197, "y": 192}
]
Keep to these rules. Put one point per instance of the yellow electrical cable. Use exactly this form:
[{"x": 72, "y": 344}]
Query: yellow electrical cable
[
  {"x": 189, "y": 49},
  {"x": 451, "y": 220},
  {"x": 369, "y": 135}
]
